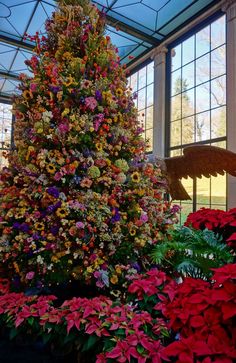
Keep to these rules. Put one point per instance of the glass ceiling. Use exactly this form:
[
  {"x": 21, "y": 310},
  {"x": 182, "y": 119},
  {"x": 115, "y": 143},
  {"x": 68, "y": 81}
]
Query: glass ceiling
[{"x": 135, "y": 27}]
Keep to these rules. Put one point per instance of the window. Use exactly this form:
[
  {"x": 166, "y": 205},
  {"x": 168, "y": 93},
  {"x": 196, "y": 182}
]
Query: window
[
  {"x": 198, "y": 106},
  {"x": 5, "y": 131},
  {"x": 142, "y": 85}
]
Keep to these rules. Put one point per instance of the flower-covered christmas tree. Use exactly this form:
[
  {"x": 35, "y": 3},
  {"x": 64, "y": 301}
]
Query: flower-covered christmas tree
[{"x": 79, "y": 199}]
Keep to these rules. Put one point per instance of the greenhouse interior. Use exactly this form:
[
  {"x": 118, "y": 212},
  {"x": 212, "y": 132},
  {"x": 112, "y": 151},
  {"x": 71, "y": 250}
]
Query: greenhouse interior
[{"x": 118, "y": 181}]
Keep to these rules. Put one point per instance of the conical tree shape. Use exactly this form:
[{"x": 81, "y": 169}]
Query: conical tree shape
[{"x": 79, "y": 200}]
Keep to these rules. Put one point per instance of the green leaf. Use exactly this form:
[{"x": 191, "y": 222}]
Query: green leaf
[
  {"x": 30, "y": 320},
  {"x": 90, "y": 342}
]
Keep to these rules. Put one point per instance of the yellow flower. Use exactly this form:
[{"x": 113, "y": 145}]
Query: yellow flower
[
  {"x": 51, "y": 168},
  {"x": 135, "y": 176},
  {"x": 39, "y": 226},
  {"x": 69, "y": 81},
  {"x": 62, "y": 212},
  {"x": 65, "y": 112},
  {"x": 30, "y": 149},
  {"x": 16, "y": 267},
  {"x": 118, "y": 270},
  {"x": 54, "y": 259},
  {"x": 27, "y": 94},
  {"x": 119, "y": 92},
  {"x": 99, "y": 146},
  {"x": 132, "y": 231},
  {"x": 20, "y": 213},
  {"x": 68, "y": 244},
  {"x": 114, "y": 279}
]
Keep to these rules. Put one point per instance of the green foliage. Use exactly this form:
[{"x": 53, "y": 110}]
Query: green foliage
[{"x": 192, "y": 252}]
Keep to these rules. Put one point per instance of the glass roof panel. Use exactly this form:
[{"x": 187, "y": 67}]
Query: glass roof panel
[
  {"x": 9, "y": 86},
  {"x": 144, "y": 16},
  {"x": 19, "y": 23},
  {"x": 38, "y": 21},
  {"x": 184, "y": 16},
  {"x": 19, "y": 62},
  {"x": 142, "y": 24},
  {"x": 6, "y": 60}
]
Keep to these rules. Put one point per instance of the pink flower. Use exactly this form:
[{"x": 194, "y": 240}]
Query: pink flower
[
  {"x": 63, "y": 128},
  {"x": 30, "y": 275},
  {"x": 58, "y": 175},
  {"x": 90, "y": 102},
  {"x": 80, "y": 225}
]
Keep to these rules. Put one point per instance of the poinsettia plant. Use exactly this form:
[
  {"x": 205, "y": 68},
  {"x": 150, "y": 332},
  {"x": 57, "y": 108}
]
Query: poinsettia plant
[{"x": 221, "y": 222}]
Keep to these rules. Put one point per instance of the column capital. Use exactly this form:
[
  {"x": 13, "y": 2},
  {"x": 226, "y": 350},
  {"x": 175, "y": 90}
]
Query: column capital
[
  {"x": 229, "y": 7},
  {"x": 159, "y": 54}
]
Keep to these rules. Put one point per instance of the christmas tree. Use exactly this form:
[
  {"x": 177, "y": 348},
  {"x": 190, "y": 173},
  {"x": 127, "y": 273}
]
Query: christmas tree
[{"x": 79, "y": 199}]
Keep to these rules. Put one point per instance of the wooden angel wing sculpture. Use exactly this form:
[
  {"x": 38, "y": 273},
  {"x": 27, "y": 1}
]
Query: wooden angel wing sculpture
[{"x": 197, "y": 161}]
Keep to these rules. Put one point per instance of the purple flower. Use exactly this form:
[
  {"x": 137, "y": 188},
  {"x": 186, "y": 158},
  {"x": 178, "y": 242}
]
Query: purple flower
[
  {"x": 98, "y": 95},
  {"x": 24, "y": 227},
  {"x": 16, "y": 225},
  {"x": 29, "y": 275},
  {"x": 136, "y": 266},
  {"x": 53, "y": 191},
  {"x": 54, "y": 230},
  {"x": 116, "y": 215}
]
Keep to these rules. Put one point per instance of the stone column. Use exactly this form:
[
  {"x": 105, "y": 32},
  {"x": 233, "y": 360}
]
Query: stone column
[
  {"x": 159, "y": 57},
  {"x": 229, "y": 7}
]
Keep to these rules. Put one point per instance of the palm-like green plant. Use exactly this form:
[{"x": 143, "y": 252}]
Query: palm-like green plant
[{"x": 192, "y": 252}]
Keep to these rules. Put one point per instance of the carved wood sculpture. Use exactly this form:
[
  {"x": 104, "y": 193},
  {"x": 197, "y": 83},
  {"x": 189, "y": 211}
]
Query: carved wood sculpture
[{"x": 197, "y": 161}]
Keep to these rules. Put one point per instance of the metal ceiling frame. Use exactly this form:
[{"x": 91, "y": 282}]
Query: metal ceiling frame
[{"x": 111, "y": 20}]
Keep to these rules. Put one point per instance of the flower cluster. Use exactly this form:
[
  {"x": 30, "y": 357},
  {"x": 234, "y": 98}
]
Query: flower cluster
[
  {"x": 121, "y": 332},
  {"x": 79, "y": 199},
  {"x": 219, "y": 221},
  {"x": 203, "y": 314}
]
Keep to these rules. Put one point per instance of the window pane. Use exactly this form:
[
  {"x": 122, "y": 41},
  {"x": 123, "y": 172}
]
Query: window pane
[
  {"x": 203, "y": 97},
  {"x": 188, "y": 103},
  {"x": 145, "y": 97},
  {"x": 188, "y": 76},
  {"x": 149, "y": 117},
  {"x": 203, "y": 69},
  {"x": 176, "y": 57},
  {"x": 218, "y": 189},
  {"x": 188, "y": 130},
  {"x": 218, "y": 122},
  {"x": 176, "y": 82},
  {"x": 203, "y": 41},
  {"x": 203, "y": 190},
  {"x": 218, "y": 61},
  {"x": 150, "y": 73},
  {"x": 175, "y": 132},
  {"x": 176, "y": 107},
  {"x": 218, "y": 32},
  {"x": 218, "y": 91},
  {"x": 188, "y": 50},
  {"x": 141, "y": 98},
  {"x": 150, "y": 95},
  {"x": 142, "y": 78},
  {"x": 203, "y": 126}
]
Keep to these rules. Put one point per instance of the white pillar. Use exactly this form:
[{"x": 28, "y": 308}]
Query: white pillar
[
  {"x": 159, "y": 57},
  {"x": 230, "y": 8}
]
